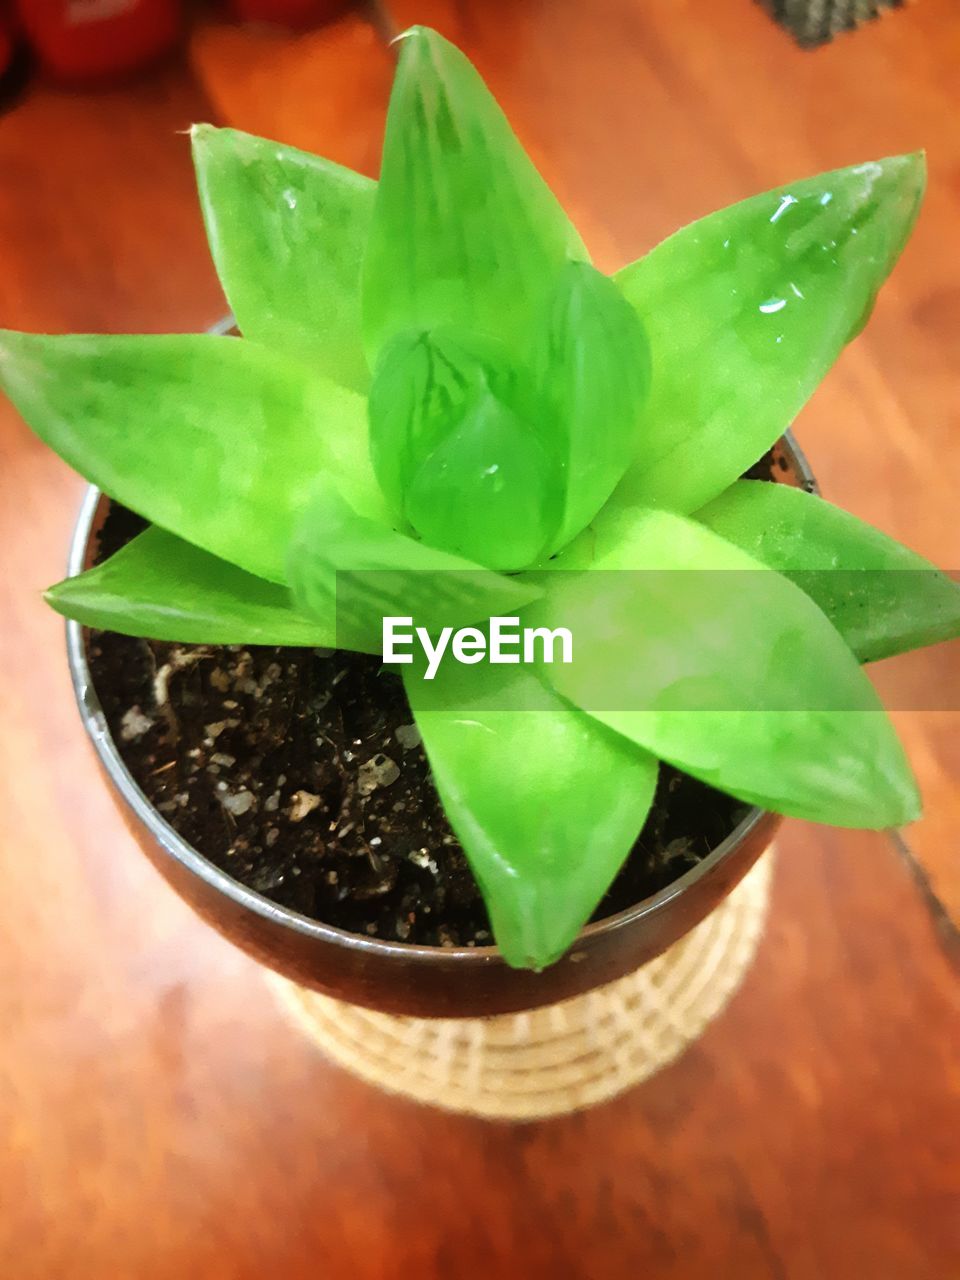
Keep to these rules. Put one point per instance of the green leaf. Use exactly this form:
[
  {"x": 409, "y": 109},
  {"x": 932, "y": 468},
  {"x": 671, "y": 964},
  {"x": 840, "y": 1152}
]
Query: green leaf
[
  {"x": 483, "y": 493},
  {"x": 455, "y": 449},
  {"x": 287, "y": 232},
  {"x": 546, "y": 803},
  {"x": 166, "y": 589},
  {"x": 215, "y": 439},
  {"x": 747, "y": 309},
  {"x": 422, "y": 383},
  {"x": 344, "y": 566},
  {"x": 707, "y": 659},
  {"x": 881, "y": 597},
  {"x": 465, "y": 230},
  {"x": 591, "y": 364}
]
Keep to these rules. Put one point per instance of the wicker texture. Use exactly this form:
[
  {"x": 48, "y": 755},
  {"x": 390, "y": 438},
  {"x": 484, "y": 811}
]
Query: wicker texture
[
  {"x": 564, "y": 1057},
  {"x": 814, "y": 22}
]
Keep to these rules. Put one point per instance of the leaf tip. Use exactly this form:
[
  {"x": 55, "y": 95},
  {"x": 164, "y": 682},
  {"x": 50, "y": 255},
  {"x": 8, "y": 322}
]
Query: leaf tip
[
  {"x": 907, "y": 801},
  {"x": 57, "y": 597},
  {"x": 412, "y": 33},
  {"x": 417, "y": 40},
  {"x": 211, "y": 142},
  {"x": 895, "y": 799},
  {"x": 904, "y": 177},
  {"x": 201, "y": 133},
  {"x": 427, "y": 51}
]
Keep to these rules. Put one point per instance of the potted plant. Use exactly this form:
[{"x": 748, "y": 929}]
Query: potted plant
[{"x": 445, "y": 438}]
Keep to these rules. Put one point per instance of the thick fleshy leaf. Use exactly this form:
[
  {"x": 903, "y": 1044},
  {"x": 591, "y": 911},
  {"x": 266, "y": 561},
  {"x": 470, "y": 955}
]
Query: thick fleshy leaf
[
  {"x": 344, "y": 566},
  {"x": 707, "y": 659},
  {"x": 421, "y": 386},
  {"x": 458, "y": 449},
  {"x": 747, "y": 309},
  {"x": 546, "y": 802},
  {"x": 218, "y": 440},
  {"x": 591, "y": 364},
  {"x": 166, "y": 589},
  {"x": 484, "y": 492},
  {"x": 287, "y": 231},
  {"x": 881, "y": 597},
  {"x": 465, "y": 231}
]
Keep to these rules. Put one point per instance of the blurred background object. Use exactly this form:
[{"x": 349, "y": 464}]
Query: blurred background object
[
  {"x": 90, "y": 43},
  {"x": 79, "y": 41},
  {"x": 814, "y": 22},
  {"x": 323, "y": 90},
  {"x": 14, "y": 56},
  {"x": 287, "y": 13}
]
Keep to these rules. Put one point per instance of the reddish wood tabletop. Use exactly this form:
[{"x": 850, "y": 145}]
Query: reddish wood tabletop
[{"x": 161, "y": 1118}]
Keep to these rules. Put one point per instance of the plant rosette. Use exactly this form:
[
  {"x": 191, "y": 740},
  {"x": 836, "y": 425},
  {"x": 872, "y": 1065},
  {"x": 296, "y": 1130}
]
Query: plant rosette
[{"x": 442, "y": 419}]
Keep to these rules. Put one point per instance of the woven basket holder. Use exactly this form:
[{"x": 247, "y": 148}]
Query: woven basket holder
[{"x": 562, "y": 1058}]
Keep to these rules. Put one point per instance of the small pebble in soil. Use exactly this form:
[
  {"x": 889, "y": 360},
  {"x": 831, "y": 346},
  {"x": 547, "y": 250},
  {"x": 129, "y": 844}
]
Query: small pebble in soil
[
  {"x": 304, "y": 803},
  {"x": 237, "y": 803},
  {"x": 381, "y": 771},
  {"x": 134, "y": 724},
  {"x": 408, "y": 735},
  {"x": 214, "y": 730},
  {"x": 421, "y": 858}
]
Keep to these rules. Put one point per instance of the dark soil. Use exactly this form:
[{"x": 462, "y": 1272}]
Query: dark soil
[{"x": 300, "y": 773}]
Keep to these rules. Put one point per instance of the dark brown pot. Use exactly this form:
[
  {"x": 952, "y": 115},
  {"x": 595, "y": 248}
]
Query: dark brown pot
[{"x": 395, "y": 977}]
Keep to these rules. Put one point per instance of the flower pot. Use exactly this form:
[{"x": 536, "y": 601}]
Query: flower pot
[{"x": 393, "y": 977}]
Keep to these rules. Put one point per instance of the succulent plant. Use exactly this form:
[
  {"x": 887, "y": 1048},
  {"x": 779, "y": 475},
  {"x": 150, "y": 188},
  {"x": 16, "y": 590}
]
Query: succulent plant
[{"x": 440, "y": 409}]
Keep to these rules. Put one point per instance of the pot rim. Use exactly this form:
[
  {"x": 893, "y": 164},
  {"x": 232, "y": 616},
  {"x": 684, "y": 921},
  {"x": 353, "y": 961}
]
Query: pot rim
[{"x": 175, "y": 846}]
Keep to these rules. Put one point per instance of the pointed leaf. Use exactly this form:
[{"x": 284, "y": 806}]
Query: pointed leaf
[
  {"x": 713, "y": 662},
  {"x": 287, "y": 232},
  {"x": 881, "y": 597},
  {"x": 359, "y": 571},
  {"x": 747, "y": 309},
  {"x": 546, "y": 803},
  {"x": 592, "y": 364},
  {"x": 216, "y": 439},
  {"x": 465, "y": 230},
  {"x": 163, "y": 588},
  {"x": 483, "y": 493},
  {"x": 453, "y": 452}
]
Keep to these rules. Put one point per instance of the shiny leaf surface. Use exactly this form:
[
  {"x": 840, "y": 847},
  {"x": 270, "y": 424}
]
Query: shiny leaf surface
[
  {"x": 453, "y": 451},
  {"x": 591, "y": 366},
  {"x": 287, "y": 231},
  {"x": 547, "y": 803},
  {"x": 483, "y": 492},
  {"x": 218, "y": 440},
  {"x": 163, "y": 588},
  {"x": 881, "y": 597},
  {"x": 358, "y": 571},
  {"x": 465, "y": 230},
  {"x": 747, "y": 309},
  {"x": 711, "y": 661}
]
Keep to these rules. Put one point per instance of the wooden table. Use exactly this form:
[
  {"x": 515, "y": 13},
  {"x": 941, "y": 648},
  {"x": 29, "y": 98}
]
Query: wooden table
[{"x": 160, "y": 1118}]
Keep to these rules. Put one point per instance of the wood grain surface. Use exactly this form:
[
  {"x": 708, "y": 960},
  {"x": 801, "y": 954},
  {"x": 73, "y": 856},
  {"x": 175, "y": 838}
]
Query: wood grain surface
[{"x": 159, "y": 1117}]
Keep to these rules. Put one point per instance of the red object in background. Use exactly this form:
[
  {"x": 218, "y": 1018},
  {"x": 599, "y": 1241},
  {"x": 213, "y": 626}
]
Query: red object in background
[
  {"x": 14, "y": 59},
  {"x": 10, "y": 40},
  {"x": 286, "y": 13},
  {"x": 88, "y": 40},
  {"x": 6, "y": 44}
]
